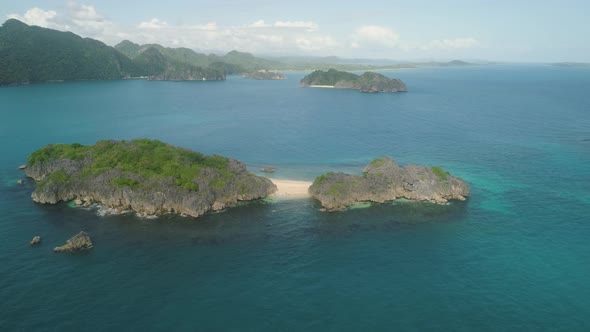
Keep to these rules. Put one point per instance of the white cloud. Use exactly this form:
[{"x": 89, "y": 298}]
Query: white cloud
[
  {"x": 83, "y": 12},
  {"x": 154, "y": 23},
  {"x": 373, "y": 35},
  {"x": 450, "y": 44},
  {"x": 37, "y": 16},
  {"x": 309, "y": 25},
  {"x": 207, "y": 26},
  {"x": 262, "y": 37},
  {"x": 259, "y": 24},
  {"x": 306, "y": 25}
]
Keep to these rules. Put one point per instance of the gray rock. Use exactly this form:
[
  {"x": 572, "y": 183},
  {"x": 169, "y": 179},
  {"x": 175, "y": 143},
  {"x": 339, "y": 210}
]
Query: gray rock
[
  {"x": 20, "y": 182},
  {"x": 22, "y": 167},
  {"x": 80, "y": 241},
  {"x": 384, "y": 180},
  {"x": 36, "y": 240},
  {"x": 155, "y": 196}
]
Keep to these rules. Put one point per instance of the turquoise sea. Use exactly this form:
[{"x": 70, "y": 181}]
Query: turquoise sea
[{"x": 514, "y": 257}]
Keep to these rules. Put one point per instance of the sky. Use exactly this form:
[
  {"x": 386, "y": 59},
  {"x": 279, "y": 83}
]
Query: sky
[{"x": 500, "y": 30}]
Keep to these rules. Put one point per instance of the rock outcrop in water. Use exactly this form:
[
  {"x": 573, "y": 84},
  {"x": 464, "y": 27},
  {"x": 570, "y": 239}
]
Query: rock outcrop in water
[
  {"x": 36, "y": 240},
  {"x": 78, "y": 242},
  {"x": 367, "y": 82},
  {"x": 384, "y": 180},
  {"x": 145, "y": 176}
]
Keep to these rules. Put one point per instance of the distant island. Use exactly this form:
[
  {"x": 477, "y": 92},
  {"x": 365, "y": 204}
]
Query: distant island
[
  {"x": 572, "y": 64},
  {"x": 264, "y": 75},
  {"x": 384, "y": 180},
  {"x": 31, "y": 54},
  {"x": 367, "y": 82},
  {"x": 145, "y": 176}
]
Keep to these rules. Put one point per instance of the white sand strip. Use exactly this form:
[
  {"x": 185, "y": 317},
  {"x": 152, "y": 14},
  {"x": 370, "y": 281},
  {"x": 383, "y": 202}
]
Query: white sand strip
[
  {"x": 291, "y": 189},
  {"x": 322, "y": 86}
]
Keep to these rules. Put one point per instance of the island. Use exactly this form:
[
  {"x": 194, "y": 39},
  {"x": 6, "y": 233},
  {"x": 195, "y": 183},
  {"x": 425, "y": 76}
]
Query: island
[
  {"x": 145, "y": 176},
  {"x": 384, "y": 180},
  {"x": 572, "y": 64},
  {"x": 367, "y": 82},
  {"x": 264, "y": 75}
]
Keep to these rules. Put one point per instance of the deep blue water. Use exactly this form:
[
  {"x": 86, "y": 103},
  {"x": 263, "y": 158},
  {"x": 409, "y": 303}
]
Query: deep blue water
[{"x": 514, "y": 257}]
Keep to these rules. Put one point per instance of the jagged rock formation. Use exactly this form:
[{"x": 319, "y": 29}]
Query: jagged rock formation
[
  {"x": 367, "y": 82},
  {"x": 264, "y": 75},
  {"x": 36, "y": 240},
  {"x": 145, "y": 176},
  {"x": 80, "y": 241},
  {"x": 384, "y": 180}
]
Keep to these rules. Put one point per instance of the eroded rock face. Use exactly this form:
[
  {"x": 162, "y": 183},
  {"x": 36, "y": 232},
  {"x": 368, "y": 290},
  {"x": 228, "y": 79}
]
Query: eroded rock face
[
  {"x": 80, "y": 241},
  {"x": 36, "y": 240},
  {"x": 384, "y": 180},
  {"x": 146, "y": 196}
]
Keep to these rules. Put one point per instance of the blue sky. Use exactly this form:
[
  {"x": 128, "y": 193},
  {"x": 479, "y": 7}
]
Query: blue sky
[{"x": 523, "y": 31}]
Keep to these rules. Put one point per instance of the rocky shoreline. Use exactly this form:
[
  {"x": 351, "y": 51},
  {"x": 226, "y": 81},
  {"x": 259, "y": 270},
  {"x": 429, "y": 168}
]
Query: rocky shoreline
[
  {"x": 151, "y": 178},
  {"x": 209, "y": 183},
  {"x": 383, "y": 180}
]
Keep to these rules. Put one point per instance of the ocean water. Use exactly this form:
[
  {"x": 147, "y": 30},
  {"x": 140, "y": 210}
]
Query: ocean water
[{"x": 514, "y": 257}]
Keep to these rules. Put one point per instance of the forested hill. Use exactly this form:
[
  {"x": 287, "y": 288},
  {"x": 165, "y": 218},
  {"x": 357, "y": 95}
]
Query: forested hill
[
  {"x": 31, "y": 54},
  {"x": 35, "y": 54},
  {"x": 233, "y": 62}
]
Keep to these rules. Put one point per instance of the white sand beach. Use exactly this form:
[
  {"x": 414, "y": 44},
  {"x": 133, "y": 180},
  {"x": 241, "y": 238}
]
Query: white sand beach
[{"x": 291, "y": 189}]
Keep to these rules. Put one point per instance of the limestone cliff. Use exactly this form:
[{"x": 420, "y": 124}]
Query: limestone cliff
[
  {"x": 384, "y": 180},
  {"x": 146, "y": 176}
]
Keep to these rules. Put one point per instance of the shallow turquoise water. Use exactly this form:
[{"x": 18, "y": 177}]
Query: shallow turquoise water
[{"x": 514, "y": 257}]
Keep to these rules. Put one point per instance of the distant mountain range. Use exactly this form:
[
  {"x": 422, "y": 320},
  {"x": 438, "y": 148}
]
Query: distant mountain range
[
  {"x": 572, "y": 64},
  {"x": 31, "y": 54}
]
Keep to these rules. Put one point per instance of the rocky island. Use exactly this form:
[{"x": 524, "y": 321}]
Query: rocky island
[
  {"x": 145, "y": 176},
  {"x": 78, "y": 242},
  {"x": 384, "y": 180},
  {"x": 367, "y": 82}
]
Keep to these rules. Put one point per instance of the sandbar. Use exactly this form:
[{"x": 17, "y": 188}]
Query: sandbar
[{"x": 291, "y": 188}]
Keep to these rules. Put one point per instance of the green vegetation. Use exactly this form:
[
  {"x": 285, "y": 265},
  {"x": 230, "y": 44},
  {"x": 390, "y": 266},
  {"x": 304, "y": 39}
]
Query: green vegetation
[
  {"x": 58, "y": 151},
  {"x": 30, "y": 54},
  {"x": 126, "y": 182},
  {"x": 59, "y": 177},
  {"x": 337, "y": 189},
  {"x": 377, "y": 162},
  {"x": 233, "y": 62},
  {"x": 149, "y": 159},
  {"x": 440, "y": 172},
  {"x": 330, "y": 77},
  {"x": 322, "y": 178},
  {"x": 367, "y": 82},
  {"x": 35, "y": 54}
]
